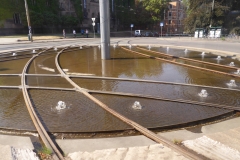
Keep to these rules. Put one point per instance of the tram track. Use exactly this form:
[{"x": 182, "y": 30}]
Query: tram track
[
  {"x": 150, "y": 81},
  {"x": 188, "y": 59},
  {"x": 181, "y": 64},
  {"x": 133, "y": 95},
  {"x": 135, "y": 125},
  {"x": 166, "y": 99},
  {"x": 37, "y": 123},
  {"x": 86, "y": 92}
]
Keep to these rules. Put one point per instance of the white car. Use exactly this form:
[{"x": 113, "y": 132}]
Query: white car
[{"x": 139, "y": 33}]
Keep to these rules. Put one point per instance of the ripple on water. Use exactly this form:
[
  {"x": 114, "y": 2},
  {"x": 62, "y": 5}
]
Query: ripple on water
[
  {"x": 14, "y": 114},
  {"x": 157, "y": 113},
  {"x": 81, "y": 115},
  {"x": 169, "y": 91}
]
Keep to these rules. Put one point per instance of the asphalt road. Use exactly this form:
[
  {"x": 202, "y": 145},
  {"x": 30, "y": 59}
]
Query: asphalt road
[{"x": 229, "y": 46}]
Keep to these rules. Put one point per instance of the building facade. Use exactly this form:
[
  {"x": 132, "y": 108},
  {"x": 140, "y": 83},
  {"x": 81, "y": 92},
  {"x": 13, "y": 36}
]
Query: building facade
[{"x": 174, "y": 17}]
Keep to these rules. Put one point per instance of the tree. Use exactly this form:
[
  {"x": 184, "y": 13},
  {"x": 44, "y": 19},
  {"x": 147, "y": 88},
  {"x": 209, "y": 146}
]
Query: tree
[
  {"x": 156, "y": 8},
  {"x": 200, "y": 13}
]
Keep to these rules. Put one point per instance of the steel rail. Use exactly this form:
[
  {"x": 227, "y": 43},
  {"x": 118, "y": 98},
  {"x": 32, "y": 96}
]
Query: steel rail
[
  {"x": 185, "y": 65},
  {"x": 150, "y": 81},
  {"x": 166, "y": 99},
  {"x": 10, "y": 74},
  {"x": 18, "y": 51},
  {"x": 188, "y": 59},
  {"x": 121, "y": 79},
  {"x": 52, "y": 88},
  {"x": 12, "y": 87},
  {"x": 41, "y": 130},
  {"x": 135, "y": 125},
  {"x": 10, "y": 58},
  {"x": 43, "y": 75},
  {"x": 140, "y": 96}
]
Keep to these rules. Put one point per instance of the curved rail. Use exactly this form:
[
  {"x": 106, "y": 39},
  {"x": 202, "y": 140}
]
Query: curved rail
[
  {"x": 135, "y": 125},
  {"x": 166, "y": 99},
  {"x": 36, "y": 121},
  {"x": 191, "y": 60},
  {"x": 149, "y": 81},
  {"x": 185, "y": 65},
  {"x": 134, "y": 95}
]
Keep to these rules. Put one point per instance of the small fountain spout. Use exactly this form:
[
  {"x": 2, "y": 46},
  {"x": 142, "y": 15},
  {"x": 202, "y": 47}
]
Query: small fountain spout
[
  {"x": 203, "y": 53},
  {"x": 203, "y": 93},
  {"x": 238, "y": 71},
  {"x": 33, "y": 51},
  {"x": 219, "y": 58},
  {"x": 55, "y": 49},
  {"x": 14, "y": 54},
  {"x": 61, "y": 105},
  {"x": 137, "y": 105},
  {"x": 232, "y": 83},
  {"x": 232, "y": 64}
]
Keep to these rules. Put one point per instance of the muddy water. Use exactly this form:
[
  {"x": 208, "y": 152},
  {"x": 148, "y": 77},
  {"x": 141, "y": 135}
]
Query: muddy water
[
  {"x": 39, "y": 81},
  {"x": 13, "y": 111},
  {"x": 167, "y": 91},
  {"x": 43, "y": 64},
  {"x": 128, "y": 65},
  {"x": 13, "y": 66},
  {"x": 158, "y": 113},
  {"x": 10, "y": 80},
  {"x": 197, "y": 56},
  {"x": 82, "y": 115},
  {"x": 208, "y": 57}
]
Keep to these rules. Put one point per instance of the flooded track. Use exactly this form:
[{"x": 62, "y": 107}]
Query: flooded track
[{"x": 99, "y": 95}]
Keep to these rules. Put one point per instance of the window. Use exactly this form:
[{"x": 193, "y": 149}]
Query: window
[
  {"x": 170, "y": 6},
  {"x": 169, "y": 21},
  {"x": 169, "y": 14},
  {"x": 16, "y": 18}
]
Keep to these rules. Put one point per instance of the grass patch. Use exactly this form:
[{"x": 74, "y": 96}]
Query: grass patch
[
  {"x": 177, "y": 141},
  {"x": 44, "y": 153}
]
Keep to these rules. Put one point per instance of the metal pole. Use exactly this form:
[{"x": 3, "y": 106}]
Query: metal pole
[
  {"x": 131, "y": 31},
  {"x": 161, "y": 31},
  {"x": 212, "y": 13},
  {"x": 28, "y": 20},
  {"x": 105, "y": 28}
]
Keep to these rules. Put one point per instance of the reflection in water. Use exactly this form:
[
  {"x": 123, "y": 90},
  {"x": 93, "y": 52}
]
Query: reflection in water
[
  {"x": 128, "y": 65},
  {"x": 83, "y": 115}
]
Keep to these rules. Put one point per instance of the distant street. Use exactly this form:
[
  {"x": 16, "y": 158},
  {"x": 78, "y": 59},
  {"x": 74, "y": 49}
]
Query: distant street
[{"x": 229, "y": 46}]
